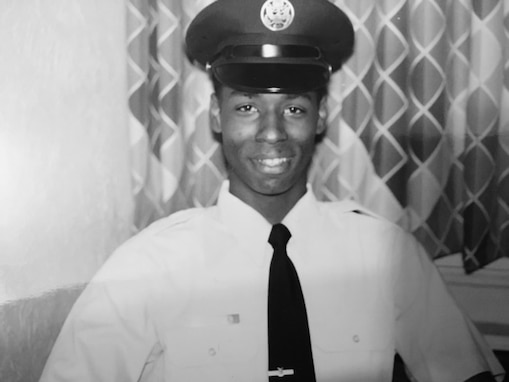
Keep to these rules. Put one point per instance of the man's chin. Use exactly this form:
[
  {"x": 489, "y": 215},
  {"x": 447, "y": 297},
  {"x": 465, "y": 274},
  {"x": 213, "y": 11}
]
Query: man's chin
[{"x": 276, "y": 187}]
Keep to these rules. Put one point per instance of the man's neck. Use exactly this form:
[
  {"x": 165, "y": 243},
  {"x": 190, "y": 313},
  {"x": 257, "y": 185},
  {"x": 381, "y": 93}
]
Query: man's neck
[{"x": 272, "y": 207}]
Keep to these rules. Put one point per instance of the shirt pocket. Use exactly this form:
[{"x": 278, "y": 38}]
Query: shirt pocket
[
  {"x": 352, "y": 352},
  {"x": 352, "y": 338},
  {"x": 212, "y": 341}
]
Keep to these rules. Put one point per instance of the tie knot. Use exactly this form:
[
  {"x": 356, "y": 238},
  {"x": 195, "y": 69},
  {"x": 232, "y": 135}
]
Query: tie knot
[{"x": 279, "y": 236}]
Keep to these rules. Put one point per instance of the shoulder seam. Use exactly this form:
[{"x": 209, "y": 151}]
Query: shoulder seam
[{"x": 173, "y": 220}]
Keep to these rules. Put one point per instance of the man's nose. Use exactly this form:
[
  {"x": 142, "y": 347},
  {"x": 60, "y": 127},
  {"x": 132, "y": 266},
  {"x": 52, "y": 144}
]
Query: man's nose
[{"x": 272, "y": 128}]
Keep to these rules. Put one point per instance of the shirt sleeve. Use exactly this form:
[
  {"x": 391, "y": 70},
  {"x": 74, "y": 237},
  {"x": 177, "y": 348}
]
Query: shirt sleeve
[
  {"x": 109, "y": 334},
  {"x": 435, "y": 339}
]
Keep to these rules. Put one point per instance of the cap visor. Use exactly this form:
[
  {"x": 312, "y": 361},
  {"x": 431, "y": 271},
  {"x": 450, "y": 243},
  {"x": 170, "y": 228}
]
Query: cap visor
[{"x": 272, "y": 77}]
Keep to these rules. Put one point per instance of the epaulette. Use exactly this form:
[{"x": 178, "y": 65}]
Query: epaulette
[
  {"x": 173, "y": 220},
  {"x": 350, "y": 206}
]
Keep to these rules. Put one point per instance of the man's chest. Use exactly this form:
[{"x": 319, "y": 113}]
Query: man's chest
[{"x": 222, "y": 330}]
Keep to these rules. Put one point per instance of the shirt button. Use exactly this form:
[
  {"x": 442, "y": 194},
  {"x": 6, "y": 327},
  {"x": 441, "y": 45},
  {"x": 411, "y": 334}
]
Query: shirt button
[
  {"x": 356, "y": 338},
  {"x": 233, "y": 319},
  {"x": 212, "y": 352}
]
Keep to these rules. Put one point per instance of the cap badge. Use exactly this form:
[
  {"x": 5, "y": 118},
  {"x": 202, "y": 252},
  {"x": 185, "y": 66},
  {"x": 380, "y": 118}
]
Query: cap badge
[{"x": 277, "y": 15}]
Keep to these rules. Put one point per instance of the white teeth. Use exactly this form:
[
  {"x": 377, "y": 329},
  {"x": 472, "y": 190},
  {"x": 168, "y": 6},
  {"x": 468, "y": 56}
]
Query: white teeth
[{"x": 273, "y": 162}]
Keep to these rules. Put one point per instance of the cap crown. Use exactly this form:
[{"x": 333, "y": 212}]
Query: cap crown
[{"x": 267, "y": 37}]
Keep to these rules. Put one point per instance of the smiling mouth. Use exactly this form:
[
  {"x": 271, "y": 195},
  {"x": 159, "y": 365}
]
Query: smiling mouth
[
  {"x": 273, "y": 162},
  {"x": 273, "y": 165}
]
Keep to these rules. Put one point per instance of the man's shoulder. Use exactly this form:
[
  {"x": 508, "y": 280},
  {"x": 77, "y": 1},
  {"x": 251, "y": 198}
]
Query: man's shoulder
[
  {"x": 171, "y": 234},
  {"x": 174, "y": 220},
  {"x": 184, "y": 220},
  {"x": 349, "y": 207},
  {"x": 353, "y": 214}
]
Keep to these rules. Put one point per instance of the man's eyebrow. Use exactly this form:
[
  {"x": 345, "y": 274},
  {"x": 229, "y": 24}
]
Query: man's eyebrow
[
  {"x": 298, "y": 95},
  {"x": 242, "y": 94},
  {"x": 289, "y": 96}
]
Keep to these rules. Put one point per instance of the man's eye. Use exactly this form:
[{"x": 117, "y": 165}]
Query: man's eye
[
  {"x": 294, "y": 110},
  {"x": 246, "y": 108}
]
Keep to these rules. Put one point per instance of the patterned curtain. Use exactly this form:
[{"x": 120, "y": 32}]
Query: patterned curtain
[{"x": 418, "y": 120}]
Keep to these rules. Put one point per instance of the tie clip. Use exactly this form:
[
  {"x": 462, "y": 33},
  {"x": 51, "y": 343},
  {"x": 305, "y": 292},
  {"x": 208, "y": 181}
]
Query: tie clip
[{"x": 280, "y": 372}]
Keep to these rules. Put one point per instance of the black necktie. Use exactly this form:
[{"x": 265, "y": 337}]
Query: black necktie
[{"x": 290, "y": 354}]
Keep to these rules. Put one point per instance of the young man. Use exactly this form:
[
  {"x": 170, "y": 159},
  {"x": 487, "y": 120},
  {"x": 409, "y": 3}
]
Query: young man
[{"x": 269, "y": 284}]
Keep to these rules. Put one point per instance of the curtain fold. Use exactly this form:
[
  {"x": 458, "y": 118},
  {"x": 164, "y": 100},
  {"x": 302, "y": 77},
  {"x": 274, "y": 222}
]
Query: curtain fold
[{"x": 418, "y": 120}]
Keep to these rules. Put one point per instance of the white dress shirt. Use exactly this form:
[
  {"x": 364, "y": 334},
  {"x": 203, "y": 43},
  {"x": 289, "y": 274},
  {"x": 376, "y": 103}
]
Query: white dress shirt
[{"x": 186, "y": 300}]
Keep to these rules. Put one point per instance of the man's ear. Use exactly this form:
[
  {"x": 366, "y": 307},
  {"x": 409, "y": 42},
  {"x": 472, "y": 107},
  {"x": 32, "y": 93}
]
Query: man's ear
[
  {"x": 215, "y": 114},
  {"x": 323, "y": 113}
]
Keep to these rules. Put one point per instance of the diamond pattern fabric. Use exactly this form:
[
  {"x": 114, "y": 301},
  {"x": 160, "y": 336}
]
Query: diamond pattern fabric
[{"x": 418, "y": 120}]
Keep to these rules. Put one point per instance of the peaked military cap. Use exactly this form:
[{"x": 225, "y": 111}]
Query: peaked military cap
[{"x": 271, "y": 46}]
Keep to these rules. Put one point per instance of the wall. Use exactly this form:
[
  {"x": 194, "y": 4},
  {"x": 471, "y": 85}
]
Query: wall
[{"x": 64, "y": 172}]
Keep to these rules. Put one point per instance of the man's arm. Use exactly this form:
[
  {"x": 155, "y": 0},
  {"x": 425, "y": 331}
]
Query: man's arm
[
  {"x": 433, "y": 336},
  {"x": 109, "y": 334}
]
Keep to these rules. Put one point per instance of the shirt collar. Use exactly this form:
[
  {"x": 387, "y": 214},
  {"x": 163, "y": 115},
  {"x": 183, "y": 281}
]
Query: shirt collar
[
  {"x": 300, "y": 216},
  {"x": 241, "y": 220},
  {"x": 252, "y": 230}
]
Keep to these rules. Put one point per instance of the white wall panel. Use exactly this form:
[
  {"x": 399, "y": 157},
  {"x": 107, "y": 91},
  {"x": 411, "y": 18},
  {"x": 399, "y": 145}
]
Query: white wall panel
[
  {"x": 65, "y": 200},
  {"x": 64, "y": 176}
]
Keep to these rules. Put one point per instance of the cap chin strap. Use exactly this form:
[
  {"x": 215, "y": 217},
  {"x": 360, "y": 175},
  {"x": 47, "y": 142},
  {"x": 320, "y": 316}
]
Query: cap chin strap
[{"x": 272, "y": 51}]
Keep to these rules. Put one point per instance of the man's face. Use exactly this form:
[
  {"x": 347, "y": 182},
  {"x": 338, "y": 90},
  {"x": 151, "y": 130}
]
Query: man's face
[{"x": 268, "y": 139}]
